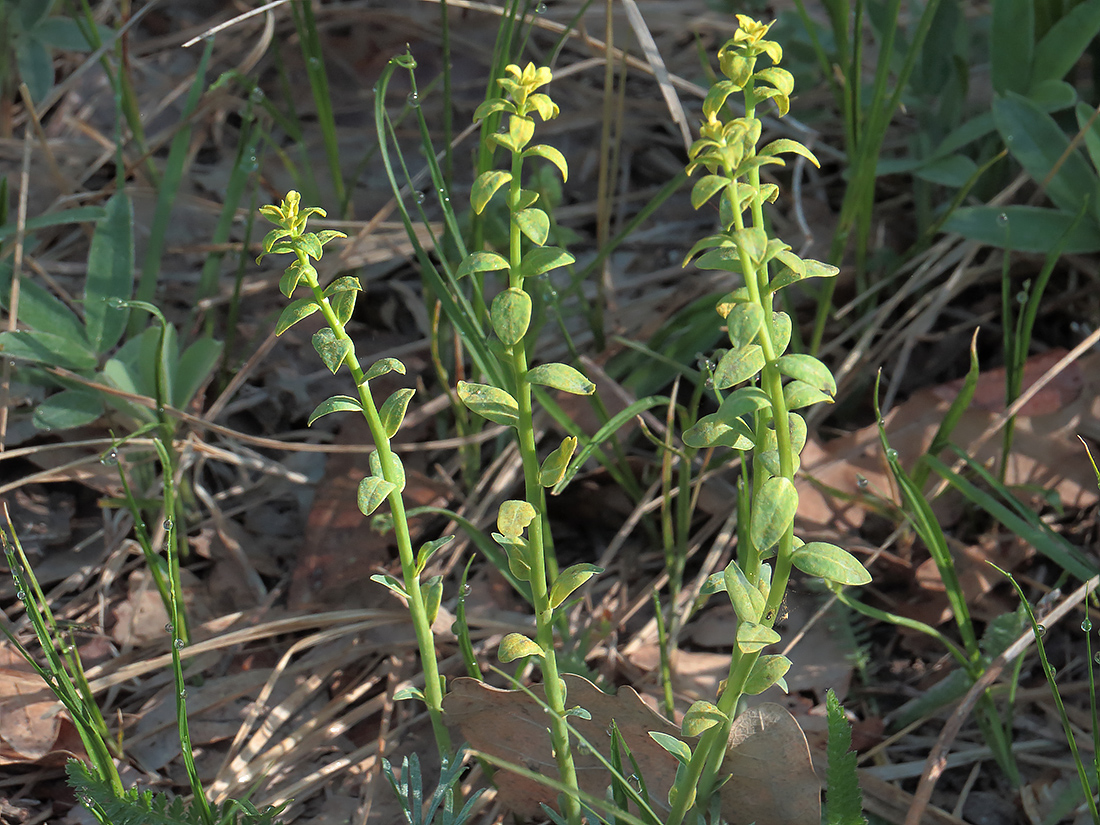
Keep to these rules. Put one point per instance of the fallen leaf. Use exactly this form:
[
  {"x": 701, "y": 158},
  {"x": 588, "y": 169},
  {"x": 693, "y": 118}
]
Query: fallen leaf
[
  {"x": 33, "y": 725},
  {"x": 772, "y": 780}
]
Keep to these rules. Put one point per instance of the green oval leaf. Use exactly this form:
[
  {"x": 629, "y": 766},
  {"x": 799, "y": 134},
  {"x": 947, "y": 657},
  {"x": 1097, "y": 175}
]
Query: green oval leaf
[
  {"x": 533, "y": 223},
  {"x": 489, "y": 402},
  {"x": 337, "y": 403},
  {"x": 343, "y": 305},
  {"x": 738, "y": 365},
  {"x": 394, "y": 584},
  {"x": 743, "y": 323},
  {"x": 511, "y": 315},
  {"x": 700, "y": 717},
  {"x": 432, "y": 590},
  {"x": 67, "y": 409},
  {"x": 714, "y": 430},
  {"x": 345, "y": 283},
  {"x": 807, "y": 369},
  {"x": 516, "y": 646},
  {"x": 332, "y": 350},
  {"x": 372, "y": 492},
  {"x": 705, "y": 188},
  {"x": 513, "y": 517},
  {"x": 781, "y": 331},
  {"x": 551, "y": 154},
  {"x": 773, "y": 510},
  {"x": 798, "y": 394},
  {"x": 543, "y": 259},
  {"x": 561, "y": 377},
  {"x": 768, "y": 670},
  {"x": 752, "y": 637},
  {"x": 569, "y": 580},
  {"x": 827, "y": 561},
  {"x": 295, "y": 312},
  {"x": 747, "y": 600},
  {"x": 486, "y": 186},
  {"x": 673, "y": 745},
  {"x": 481, "y": 262},
  {"x": 383, "y": 366},
  {"x": 427, "y": 550},
  {"x": 553, "y": 468},
  {"x": 393, "y": 411},
  {"x": 397, "y": 466}
]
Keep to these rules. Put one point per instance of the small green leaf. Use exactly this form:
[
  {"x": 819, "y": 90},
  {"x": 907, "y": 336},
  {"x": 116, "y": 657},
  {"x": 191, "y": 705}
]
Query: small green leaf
[
  {"x": 569, "y": 580},
  {"x": 372, "y": 492},
  {"x": 486, "y": 186},
  {"x": 715, "y": 583},
  {"x": 392, "y": 412},
  {"x": 394, "y": 584},
  {"x": 432, "y": 590},
  {"x": 748, "y": 603},
  {"x": 554, "y": 467},
  {"x": 343, "y": 305},
  {"x": 332, "y": 350},
  {"x": 345, "y": 283},
  {"x": 561, "y": 377},
  {"x": 481, "y": 262},
  {"x": 489, "y": 402},
  {"x": 752, "y": 637},
  {"x": 773, "y": 511},
  {"x": 496, "y": 104},
  {"x": 511, "y": 315},
  {"x": 39, "y": 309},
  {"x": 294, "y": 273},
  {"x": 533, "y": 223},
  {"x": 752, "y": 239},
  {"x": 543, "y": 259},
  {"x": 516, "y": 646},
  {"x": 35, "y": 66},
  {"x": 110, "y": 274},
  {"x": 781, "y": 331},
  {"x": 705, "y": 188},
  {"x": 515, "y": 550},
  {"x": 427, "y": 550},
  {"x": 673, "y": 745},
  {"x": 808, "y": 369},
  {"x": 551, "y": 154},
  {"x": 383, "y": 366},
  {"x": 309, "y": 243},
  {"x": 295, "y": 312},
  {"x": 67, "y": 409},
  {"x": 337, "y": 403},
  {"x": 397, "y": 467},
  {"x": 195, "y": 366},
  {"x": 700, "y": 717},
  {"x": 408, "y": 692},
  {"x": 768, "y": 670},
  {"x": 743, "y": 323},
  {"x": 738, "y": 365},
  {"x": 788, "y": 146},
  {"x": 579, "y": 713},
  {"x": 827, "y": 561},
  {"x": 798, "y": 394},
  {"x": 514, "y": 516},
  {"x": 714, "y": 430}
]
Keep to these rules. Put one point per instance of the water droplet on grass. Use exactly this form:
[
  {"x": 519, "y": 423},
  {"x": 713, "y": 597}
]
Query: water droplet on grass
[
  {"x": 1086, "y": 624},
  {"x": 168, "y": 628},
  {"x": 540, "y": 8},
  {"x": 167, "y": 524},
  {"x": 413, "y": 99},
  {"x": 21, "y": 595},
  {"x": 110, "y": 458},
  {"x": 1041, "y": 629},
  {"x": 861, "y": 482},
  {"x": 179, "y": 643},
  {"x": 891, "y": 454},
  {"x": 1002, "y": 219},
  {"x": 420, "y": 197}
]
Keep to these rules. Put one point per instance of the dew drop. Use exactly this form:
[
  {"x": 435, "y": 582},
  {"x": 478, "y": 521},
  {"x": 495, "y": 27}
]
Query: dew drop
[
  {"x": 179, "y": 643},
  {"x": 167, "y": 524},
  {"x": 1041, "y": 629},
  {"x": 466, "y": 590},
  {"x": 256, "y": 95},
  {"x": 1096, "y": 657},
  {"x": 168, "y": 628},
  {"x": 183, "y": 693},
  {"x": 1053, "y": 671},
  {"x": 21, "y": 595},
  {"x": 882, "y": 422},
  {"x": 769, "y": 615},
  {"x": 110, "y": 458},
  {"x": 420, "y": 197},
  {"x": 1021, "y": 297},
  {"x": 314, "y": 62},
  {"x": 891, "y": 454},
  {"x": 861, "y": 482},
  {"x": 540, "y": 8},
  {"x": 1086, "y": 624},
  {"x": 1002, "y": 219},
  {"x": 413, "y": 99}
]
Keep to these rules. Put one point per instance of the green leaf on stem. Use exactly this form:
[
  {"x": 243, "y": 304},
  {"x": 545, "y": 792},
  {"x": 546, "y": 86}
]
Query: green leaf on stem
[
  {"x": 752, "y": 637},
  {"x": 427, "y": 550},
  {"x": 551, "y": 154},
  {"x": 489, "y": 402},
  {"x": 700, "y": 717},
  {"x": 553, "y": 468},
  {"x": 704, "y": 189},
  {"x": 748, "y": 603},
  {"x": 715, "y": 430},
  {"x": 561, "y": 377},
  {"x": 788, "y": 146},
  {"x": 295, "y": 312},
  {"x": 768, "y": 670},
  {"x": 392, "y": 412},
  {"x": 481, "y": 262},
  {"x": 781, "y": 331},
  {"x": 569, "y": 580},
  {"x": 485, "y": 187},
  {"x": 433, "y": 597},
  {"x": 511, "y": 315},
  {"x": 798, "y": 394},
  {"x": 534, "y": 223},
  {"x": 827, "y": 561},
  {"x": 394, "y": 584},
  {"x": 738, "y": 365},
  {"x": 343, "y": 305},
  {"x": 110, "y": 274},
  {"x": 372, "y": 492},
  {"x": 673, "y": 745},
  {"x": 543, "y": 259},
  {"x": 807, "y": 369},
  {"x": 773, "y": 511},
  {"x": 514, "y": 516},
  {"x": 383, "y": 366},
  {"x": 408, "y": 692},
  {"x": 396, "y": 465},
  {"x": 67, "y": 409},
  {"x": 345, "y": 283},
  {"x": 743, "y": 323},
  {"x": 332, "y": 350},
  {"x": 294, "y": 273},
  {"x": 753, "y": 240},
  {"x": 337, "y": 403},
  {"x": 47, "y": 348},
  {"x": 516, "y": 646}
]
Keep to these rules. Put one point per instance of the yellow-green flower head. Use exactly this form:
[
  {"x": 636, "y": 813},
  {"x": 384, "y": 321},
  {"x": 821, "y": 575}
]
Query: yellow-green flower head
[
  {"x": 520, "y": 85},
  {"x": 738, "y": 56}
]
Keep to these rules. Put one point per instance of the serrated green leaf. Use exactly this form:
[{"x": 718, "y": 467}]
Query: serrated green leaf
[
  {"x": 383, "y": 366},
  {"x": 67, "y": 409},
  {"x": 489, "y": 402},
  {"x": 372, "y": 492},
  {"x": 481, "y": 262},
  {"x": 534, "y": 223},
  {"x": 569, "y": 580},
  {"x": 773, "y": 510},
  {"x": 336, "y": 403},
  {"x": 752, "y": 637},
  {"x": 807, "y": 369},
  {"x": 332, "y": 350},
  {"x": 743, "y": 323},
  {"x": 738, "y": 365},
  {"x": 394, "y": 584},
  {"x": 485, "y": 187},
  {"x": 295, "y": 312},
  {"x": 747, "y": 601},
  {"x": 673, "y": 745},
  {"x": 110, "y": 274},
  {"x": 543, "y": 259},
  {"x": 561, "y": 377},
  {"x": 514, "y": 516},
  {"x": 827, "y": 561},
  {"x": 700, "y": 717},
  {"x": 554, "y": 467},
  {"x": 511, "y": 315},
  {"x": 392, "y": 412},
  {"x": 516, "y": 646},
  {"x": 551, "y": 154},
  {"x": 768, "y": 670}
]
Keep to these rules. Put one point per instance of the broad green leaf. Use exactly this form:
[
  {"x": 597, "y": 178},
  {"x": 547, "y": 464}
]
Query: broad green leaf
[
  {"x": 1026, "y": 229},
  {"x": 704, "y": 189},
  {"x": 393, "y": 583},
  {"x": 332, "y": 350},
  {"x": 110, "y": 274},
  {"x": 47, "y": 348},
  {"x": 295, "y": 312},
  {"x": 39, "y": 309},
  {"x": 551, "y": 154},
  {"x": 827, "y": 561},
  {"x": 717, "y": 430},
  {"x": 496, "y": 104},
  {"x": 738, "y": 365},
  {"x": 67, "y": 409},
  {"x": 392, "y": 412},
  {"x": 432, "y": 590},
  {"x": 807, "y": 369},
  {"x": 343, "y": 305},
  {"x": 1012, "y": 45},
  {"x": 700, "y": 717},
  {"x": 337, "y": 403},
  {"x": 543, "y": 259},
  {"x": 515, "y": 551},
  {"x": 35, "y": 65},
  {"x": 798, "y": 394},
  {"x": 520, "y": 131},
  {"x": 747, "y": 600},
  {"x": 427, "y": 550},
  {"x": 709, "y": 242},
  {"x": 489, "y": 402},
  {"x": 752, "y": 637},
  {"x": 516, "y": 646},
  {"x": 481, "y": 262},
  {"x": 310, "y": 244},
  {"x": 372, "y": 492},
  {"x": 64, "y": 216},
  {"x": 753, "y": 239},
  {"x": 768, "y": 670},
  {"x": 569, "y": 580},
  {"x": 723, "y": 259},
  {"x": 383, "y": 366},
  {"x": 561, "y": 377},
  {"x": 743, "y": 323},
  {"x": 486, "y": 186},
  {"x": 1065, "y": 42},
  {"x": 513, "y": 517},
  {"x": 511, "y": 315},
  {"x": 195, "y": 366},
  {"x": 64, "y": 33},
  {"x": 553, "y": 468},
  {"x": 533, "y": 223},
  {"x": 673, "y": 745},
  {"x": 773, "y": 510}
]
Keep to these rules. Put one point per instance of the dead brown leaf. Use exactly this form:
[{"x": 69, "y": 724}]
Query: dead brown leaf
[
  {"x": 33, "y": 725},
  {"x": 773, "y": 782}
]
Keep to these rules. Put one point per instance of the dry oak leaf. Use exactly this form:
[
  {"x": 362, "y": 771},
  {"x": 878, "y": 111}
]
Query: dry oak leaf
[
  {"x": 33, "y": 726},
  {"x": 772, "y": 782}
]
